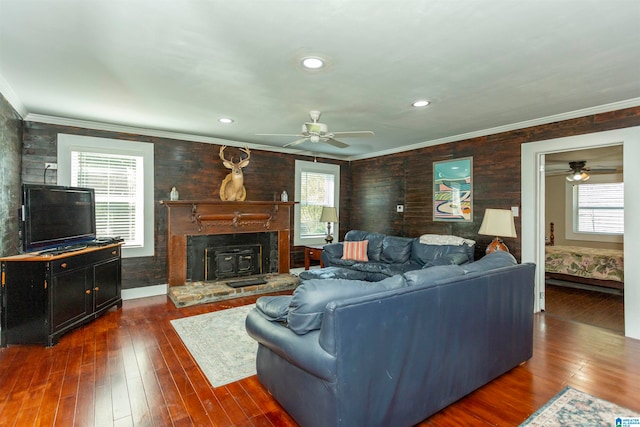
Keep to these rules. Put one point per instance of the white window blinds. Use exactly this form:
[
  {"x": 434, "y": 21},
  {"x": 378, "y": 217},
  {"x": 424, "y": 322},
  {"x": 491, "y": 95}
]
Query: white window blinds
[
  {"x": 599, "y": 208},
  {"x": 316, "y": 191},
  {"x": 118, "y": 184}
]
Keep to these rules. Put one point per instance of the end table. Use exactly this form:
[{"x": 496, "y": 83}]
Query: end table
[{"x": 312, "y": 252}]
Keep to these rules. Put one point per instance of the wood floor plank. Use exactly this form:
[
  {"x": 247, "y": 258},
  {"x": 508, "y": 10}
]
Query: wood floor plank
[{"x": 130, "y": 368}]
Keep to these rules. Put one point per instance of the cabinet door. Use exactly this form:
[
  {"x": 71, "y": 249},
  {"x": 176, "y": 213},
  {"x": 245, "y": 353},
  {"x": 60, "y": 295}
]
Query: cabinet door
[
  {"x": 106, "y": 278},
  {"x": 71, "y": 298}
]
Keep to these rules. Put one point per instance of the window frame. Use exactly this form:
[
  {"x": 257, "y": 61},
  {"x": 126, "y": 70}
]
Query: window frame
[
  {"x": 318, "y": 167},
  {"x": 571, "y": 214},
  {"x": 68, "y": 143}
]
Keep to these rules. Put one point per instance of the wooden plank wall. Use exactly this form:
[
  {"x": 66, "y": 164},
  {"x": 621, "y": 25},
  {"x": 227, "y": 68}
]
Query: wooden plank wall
[
  {"x": 407, "y": 178},
  {"x": 194, "y": 168},
  {"x": 370, "y": 188}
]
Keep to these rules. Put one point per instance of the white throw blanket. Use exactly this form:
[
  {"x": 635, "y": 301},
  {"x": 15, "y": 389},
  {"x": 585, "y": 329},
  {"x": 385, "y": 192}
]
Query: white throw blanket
[{"x": 439, "y": 239}]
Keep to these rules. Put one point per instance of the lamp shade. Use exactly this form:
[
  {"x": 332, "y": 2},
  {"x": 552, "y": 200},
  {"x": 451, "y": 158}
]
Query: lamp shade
[
  {"x": 329, "y": 214},
  {"x": 498, "y": 222}
]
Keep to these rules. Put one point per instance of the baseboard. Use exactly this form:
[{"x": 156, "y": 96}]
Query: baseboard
[{"x": 144, "y": 291}]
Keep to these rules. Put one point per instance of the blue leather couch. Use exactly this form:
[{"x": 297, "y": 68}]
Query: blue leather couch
[
  {"x": 391, "y": 255},
  {"x": 337, "y": 353}
]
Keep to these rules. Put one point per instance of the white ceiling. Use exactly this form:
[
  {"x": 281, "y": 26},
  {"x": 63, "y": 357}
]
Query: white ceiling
[{"x": 175, "y": 67}]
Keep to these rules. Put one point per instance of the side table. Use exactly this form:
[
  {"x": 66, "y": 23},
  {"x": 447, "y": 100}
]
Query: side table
[{"x": 312, "y": 252}]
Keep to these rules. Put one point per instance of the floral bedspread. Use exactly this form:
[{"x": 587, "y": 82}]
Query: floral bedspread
[{"x": 604, "y": 264}]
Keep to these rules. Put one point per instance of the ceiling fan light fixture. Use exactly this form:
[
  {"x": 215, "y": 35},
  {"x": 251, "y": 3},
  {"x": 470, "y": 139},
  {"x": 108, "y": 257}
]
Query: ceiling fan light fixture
[
  {"x": 420, "y": 103},
  {"x": 312, "y": 62}
]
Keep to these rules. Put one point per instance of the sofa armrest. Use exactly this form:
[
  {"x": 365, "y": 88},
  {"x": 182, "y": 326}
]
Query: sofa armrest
[
  {"x": 304, "y": 351},
  {"x": 331, "y": 253}
]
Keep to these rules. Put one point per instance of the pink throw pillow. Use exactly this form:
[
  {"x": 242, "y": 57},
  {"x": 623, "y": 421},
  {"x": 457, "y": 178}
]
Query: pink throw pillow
[{"x": 356, "y": 251}]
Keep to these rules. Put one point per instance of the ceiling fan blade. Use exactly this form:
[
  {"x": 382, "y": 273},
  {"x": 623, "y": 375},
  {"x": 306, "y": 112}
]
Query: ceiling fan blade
[
  {"x": 279, "y": 134},
  {"x": 336, "y": 143},
  {"x": 296, "y": 142},
  {"x": 354, "y": 134}
]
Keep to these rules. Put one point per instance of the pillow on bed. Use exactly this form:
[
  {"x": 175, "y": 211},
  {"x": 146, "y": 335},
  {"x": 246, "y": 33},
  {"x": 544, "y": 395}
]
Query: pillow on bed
[{"x": 312, "y": 296}]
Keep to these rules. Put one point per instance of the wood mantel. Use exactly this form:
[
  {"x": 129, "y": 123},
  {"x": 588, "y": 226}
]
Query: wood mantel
[{"x": 210, "y": 217}]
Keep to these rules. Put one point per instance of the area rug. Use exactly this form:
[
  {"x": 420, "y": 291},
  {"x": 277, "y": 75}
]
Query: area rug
[
  {"x": 219, "y": 344},
  {"x": 201, "y": 292},
  {"x": 571, "y": 407}
]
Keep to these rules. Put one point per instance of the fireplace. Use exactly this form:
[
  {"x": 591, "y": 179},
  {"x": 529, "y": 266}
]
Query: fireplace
[
  {"x": 190, "y": 219},
  {"x": 214, "y": 257}
]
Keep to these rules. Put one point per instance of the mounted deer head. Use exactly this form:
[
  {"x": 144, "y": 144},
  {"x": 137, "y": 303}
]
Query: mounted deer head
[{"x": 232, "y": 187}]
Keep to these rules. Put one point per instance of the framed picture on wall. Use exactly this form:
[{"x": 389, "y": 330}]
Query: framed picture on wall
[{"x": 453, "y": 190}]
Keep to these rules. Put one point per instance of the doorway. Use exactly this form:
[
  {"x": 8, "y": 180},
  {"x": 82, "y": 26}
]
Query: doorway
[{"x": 533, "y": 207}]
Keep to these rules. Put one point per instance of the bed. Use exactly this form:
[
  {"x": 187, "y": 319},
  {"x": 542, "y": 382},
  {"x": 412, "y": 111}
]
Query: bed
[{"x": 591, "y": 266}]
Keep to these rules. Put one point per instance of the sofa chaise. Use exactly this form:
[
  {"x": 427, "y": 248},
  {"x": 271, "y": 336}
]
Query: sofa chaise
[{"x": 356, "y": 353}]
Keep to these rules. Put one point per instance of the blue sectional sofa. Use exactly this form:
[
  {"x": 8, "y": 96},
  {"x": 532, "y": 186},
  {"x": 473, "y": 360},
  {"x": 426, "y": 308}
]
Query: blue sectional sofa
[
  {"x": 391, "y": 353},
  {"x": 391, "y": 255}
]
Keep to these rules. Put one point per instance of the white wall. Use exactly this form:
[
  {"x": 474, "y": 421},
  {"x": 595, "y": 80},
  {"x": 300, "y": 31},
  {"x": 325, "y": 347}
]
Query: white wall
[{"x": 533, "y": 208}]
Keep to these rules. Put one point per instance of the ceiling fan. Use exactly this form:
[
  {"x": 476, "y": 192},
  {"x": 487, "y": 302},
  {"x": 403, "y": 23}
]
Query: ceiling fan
[
  {"x": 315, "y": 131},
  {"x": 578, "y": 172}
]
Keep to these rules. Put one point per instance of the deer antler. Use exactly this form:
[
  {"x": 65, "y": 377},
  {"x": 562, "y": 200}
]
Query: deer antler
[
  {"x": 222, "y": 147},
  {"x": 247, "y": 152}
]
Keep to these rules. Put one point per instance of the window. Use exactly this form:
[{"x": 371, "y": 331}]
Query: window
[
  {"x": 117, "y": 181},
  {"x": 317, "y": 185},
  {"x": 598, "y": 208},
  {"x": 121, "y": 173}
]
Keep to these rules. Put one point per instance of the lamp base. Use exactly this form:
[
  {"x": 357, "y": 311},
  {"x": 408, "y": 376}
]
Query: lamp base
[
  {"x": 328, "y": 239},
  {"x": 496, "y": 245}
]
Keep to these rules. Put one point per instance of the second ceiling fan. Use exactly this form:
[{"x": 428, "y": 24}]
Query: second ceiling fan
[{"x": 315, "y": 131}]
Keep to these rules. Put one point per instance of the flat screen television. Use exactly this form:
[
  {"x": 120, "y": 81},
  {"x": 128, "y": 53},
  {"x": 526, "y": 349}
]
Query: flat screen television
[{"x": 56, "y": 216}]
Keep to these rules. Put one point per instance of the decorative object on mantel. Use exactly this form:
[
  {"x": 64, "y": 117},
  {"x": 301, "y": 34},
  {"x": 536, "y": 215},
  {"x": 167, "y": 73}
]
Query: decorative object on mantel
[
  {"x": 328, "y": 215},
  {"x": 232, "y": 187},
  {"x": 174, "y": 195},
  {"x": 284, "y": 197},
  {"x": 499, "y": 223}
]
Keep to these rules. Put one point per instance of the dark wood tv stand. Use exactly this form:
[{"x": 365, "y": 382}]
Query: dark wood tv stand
[{"x": 44, "y": 296}]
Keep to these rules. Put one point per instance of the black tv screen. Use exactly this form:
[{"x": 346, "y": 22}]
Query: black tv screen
[{"x": 56, "y": 216}]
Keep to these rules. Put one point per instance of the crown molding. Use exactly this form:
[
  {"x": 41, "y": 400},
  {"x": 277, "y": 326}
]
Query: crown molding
[
  {"x": 54, "y": 120},
  {"x": 633, "y": 102},
  {"x": 109, "y": 127}
]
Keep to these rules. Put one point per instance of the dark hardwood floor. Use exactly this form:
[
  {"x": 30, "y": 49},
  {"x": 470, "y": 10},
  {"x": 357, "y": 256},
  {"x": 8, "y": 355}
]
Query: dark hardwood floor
[
  {"x": 130, "y": 368},
  {"x": 603, "y": 309}
]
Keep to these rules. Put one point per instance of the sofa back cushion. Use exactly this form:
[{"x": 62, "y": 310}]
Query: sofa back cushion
[
  {"x": 396, "y": 250},
  {"x": 374, "y": 247},
  {"x": 312, "y": 296},
  {"x": 425, "y": 254},
  {"x": 429, "y": 276},
  {"x": 494, "y": 260}
]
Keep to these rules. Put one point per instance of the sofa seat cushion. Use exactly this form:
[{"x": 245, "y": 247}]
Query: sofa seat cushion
[
  {"x": 309, "y": 300},
  {"x": 332, "y": 273},
  {"x": 396, "y": 250},
  {"x": 274, "y": 308}
]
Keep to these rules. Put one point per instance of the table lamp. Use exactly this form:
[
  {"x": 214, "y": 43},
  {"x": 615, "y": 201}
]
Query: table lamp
[
  {"x": 499, "y": 223},
  {"x": 329, "y": 215}
]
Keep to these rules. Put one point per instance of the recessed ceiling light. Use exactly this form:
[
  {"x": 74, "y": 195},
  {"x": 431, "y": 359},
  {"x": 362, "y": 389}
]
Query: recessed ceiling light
[
  {"x": 225, "y": 120},
  {"x": 421, "y": 103},
  {"x": 312, "y": 62}
]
